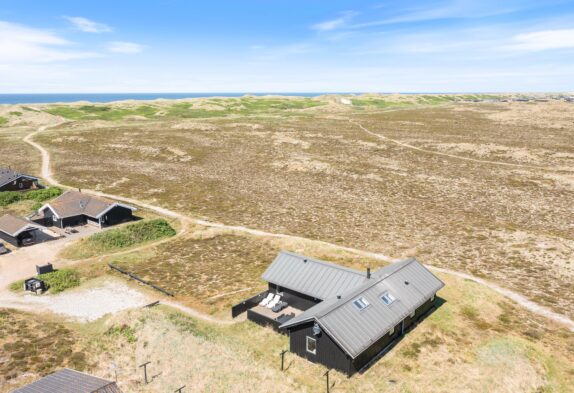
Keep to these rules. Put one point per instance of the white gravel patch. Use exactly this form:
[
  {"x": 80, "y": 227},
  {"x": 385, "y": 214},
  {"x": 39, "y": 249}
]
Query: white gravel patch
[{"x": 90, "y": 304}]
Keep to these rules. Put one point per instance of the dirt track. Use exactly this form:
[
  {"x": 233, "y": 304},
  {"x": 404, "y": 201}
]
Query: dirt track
[{"x": 519, "y": 299}]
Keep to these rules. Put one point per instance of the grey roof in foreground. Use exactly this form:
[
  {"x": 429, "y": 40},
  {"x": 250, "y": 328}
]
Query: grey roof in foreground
[
  {"x": 312, "y": 277},
  {"x": 356, "y": 330},
  {"x": 70, "y": 381},
  {"x": 7, "y": 175}
]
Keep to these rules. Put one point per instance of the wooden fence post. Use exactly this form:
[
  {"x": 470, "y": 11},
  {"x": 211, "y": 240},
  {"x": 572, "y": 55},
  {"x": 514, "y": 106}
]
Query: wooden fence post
[
  {"x": 283, "y": 352},
  {"x": 145, "y": 371},
  {"x": 327, "y": 376}
]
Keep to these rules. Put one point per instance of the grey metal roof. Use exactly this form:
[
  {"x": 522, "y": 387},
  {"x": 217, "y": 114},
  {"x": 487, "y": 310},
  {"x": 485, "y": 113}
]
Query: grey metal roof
[
  {"x": 312, "y": 277},
  {"x": 356, "y": 330},
  {"x": 7, "y": 175},
  {"x": 70, "y": 381}
]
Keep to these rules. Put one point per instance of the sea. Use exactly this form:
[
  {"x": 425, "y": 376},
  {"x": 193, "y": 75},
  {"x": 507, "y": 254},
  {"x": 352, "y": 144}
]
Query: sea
[{"x": 110, "y": 97}]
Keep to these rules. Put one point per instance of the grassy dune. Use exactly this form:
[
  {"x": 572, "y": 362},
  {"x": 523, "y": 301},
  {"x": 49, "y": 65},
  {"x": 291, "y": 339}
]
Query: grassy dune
[
  {"x": 475, "y": 341},
  {"x": 322, "y": 177}
]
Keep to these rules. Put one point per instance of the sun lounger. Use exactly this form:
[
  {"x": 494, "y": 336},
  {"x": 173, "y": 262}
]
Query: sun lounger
[
  {"x": 266, "y": 301},
  {"x": 274, "y": 302}
]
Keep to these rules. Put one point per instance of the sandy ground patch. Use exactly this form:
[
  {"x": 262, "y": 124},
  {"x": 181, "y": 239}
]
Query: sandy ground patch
[
  {"x": 85, "y": 304},
  {"x": 21, "y": 263}
]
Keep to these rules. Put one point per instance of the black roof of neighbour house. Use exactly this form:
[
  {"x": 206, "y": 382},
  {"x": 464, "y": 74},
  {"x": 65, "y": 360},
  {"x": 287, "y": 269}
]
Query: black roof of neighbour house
[
  {"x": 75, "y": 203},
  {"x": 70, "y": 381},
  {"x": 354, "y": 330},
  {"x": 8, "y": 174}
]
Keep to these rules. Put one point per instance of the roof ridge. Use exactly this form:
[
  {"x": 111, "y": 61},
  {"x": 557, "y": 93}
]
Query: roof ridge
[
  {"x": 364, "y": 287},
  {"x": 320, "y": 261}
]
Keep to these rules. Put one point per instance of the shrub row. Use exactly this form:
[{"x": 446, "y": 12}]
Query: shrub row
[
  {"x": 132, "y": 234},
  {"x": 39, "y": 196}
]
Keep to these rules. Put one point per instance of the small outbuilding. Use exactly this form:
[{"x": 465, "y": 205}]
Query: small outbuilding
[
  {"x": 70, "y": 381},
  {"x": 340, "y": 317},
  {"x": 11, "y": 180},
  {"x": 18, "y": 231},
  {"x": 74, "y": 208}
]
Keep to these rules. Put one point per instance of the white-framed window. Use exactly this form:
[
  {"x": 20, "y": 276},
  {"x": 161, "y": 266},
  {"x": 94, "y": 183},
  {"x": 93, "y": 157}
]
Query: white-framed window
[
  {"x": 391, "y": 331},
  {"x": 387, "y": 298},
  {"x": 54, "y": 218},
  {"x": 311, "y": 345},
  {"x": 20, "y": 185},
  {"x": 412, "y": 315},
  {"x": 361, "y": 303}
]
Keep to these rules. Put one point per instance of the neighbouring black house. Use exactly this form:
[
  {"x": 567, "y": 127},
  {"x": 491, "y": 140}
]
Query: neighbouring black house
[
  {"x": 74, "y": 208},
  {"x": 18, "y": 231},
  {"x": 11, "y": 180},
  {"x": 70, "y": 381},
  {"x": 340, "y": 317}
]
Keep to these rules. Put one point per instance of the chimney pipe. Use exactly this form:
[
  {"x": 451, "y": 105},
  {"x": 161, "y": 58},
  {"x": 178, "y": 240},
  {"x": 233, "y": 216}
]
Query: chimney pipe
[{"x": 368, "y": 272}]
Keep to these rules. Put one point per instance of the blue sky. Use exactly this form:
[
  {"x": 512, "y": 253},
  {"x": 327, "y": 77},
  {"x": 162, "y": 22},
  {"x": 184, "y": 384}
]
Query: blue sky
[{"x": 286, "y": 46}]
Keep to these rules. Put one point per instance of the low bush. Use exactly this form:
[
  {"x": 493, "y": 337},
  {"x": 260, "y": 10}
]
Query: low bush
[
  {"x": 133, "y": 234},
  {"x": 118, "y": 238},
  {"x": 60, "y": 280},
  {"x": 123, "y": 331},
  {"x": 38, "y": 196}
]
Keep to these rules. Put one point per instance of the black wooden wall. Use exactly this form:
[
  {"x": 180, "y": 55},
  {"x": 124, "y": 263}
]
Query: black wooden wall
[
  {"x": 328, "y": 352},
  {"x": 117, "y": 215}
]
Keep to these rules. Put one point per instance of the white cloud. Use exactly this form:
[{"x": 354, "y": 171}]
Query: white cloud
[
  {"x": 87, "y": 25},
  {"x": 335, "y": 23},
  {"x": 125, "y": 47},
  {"x": 543, "y": 40},
  {"x": 21, "y": 44}
]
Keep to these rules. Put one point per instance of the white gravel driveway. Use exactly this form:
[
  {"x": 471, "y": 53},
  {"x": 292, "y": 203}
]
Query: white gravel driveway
[{"x": 81, "y": 304}]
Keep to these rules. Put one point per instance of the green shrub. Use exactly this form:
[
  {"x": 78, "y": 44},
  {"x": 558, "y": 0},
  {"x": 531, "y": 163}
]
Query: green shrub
[
  {"x": 39, "y": 196},
  {"x": 119, "y": 238},
  {"x": 60, "y": 280},
  {"x": 125, "y": 331},
  {"x": 133, "y": 234},
  {"x": 3, "y": 121}
]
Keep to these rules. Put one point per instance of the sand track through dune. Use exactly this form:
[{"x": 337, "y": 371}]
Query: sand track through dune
[{"x": 519, "y": 299}]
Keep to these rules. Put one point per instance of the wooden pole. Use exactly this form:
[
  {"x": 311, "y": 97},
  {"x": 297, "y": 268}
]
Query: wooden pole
[
  {"x": 180, "y": 389},
  {"x": 327, "y": 376},
  {"x": 145, "y": 371},
  {"x": 283, "y": 358}
]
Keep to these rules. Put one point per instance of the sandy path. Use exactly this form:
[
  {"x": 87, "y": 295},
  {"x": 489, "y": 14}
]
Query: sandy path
[
  {"x": 438, "y": 153},
  {"x": 519, "y": 299}
]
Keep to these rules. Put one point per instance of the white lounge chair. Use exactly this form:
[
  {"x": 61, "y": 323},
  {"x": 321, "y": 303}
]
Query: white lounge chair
[
  {"x": 274, "y": 302},
  {"x": 266, "y": 301}
]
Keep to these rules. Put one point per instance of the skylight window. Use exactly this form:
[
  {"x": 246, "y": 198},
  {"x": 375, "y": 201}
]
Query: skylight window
[
  {"x": 387, "y": 298},
  {"x": 361, "y": 303}
]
